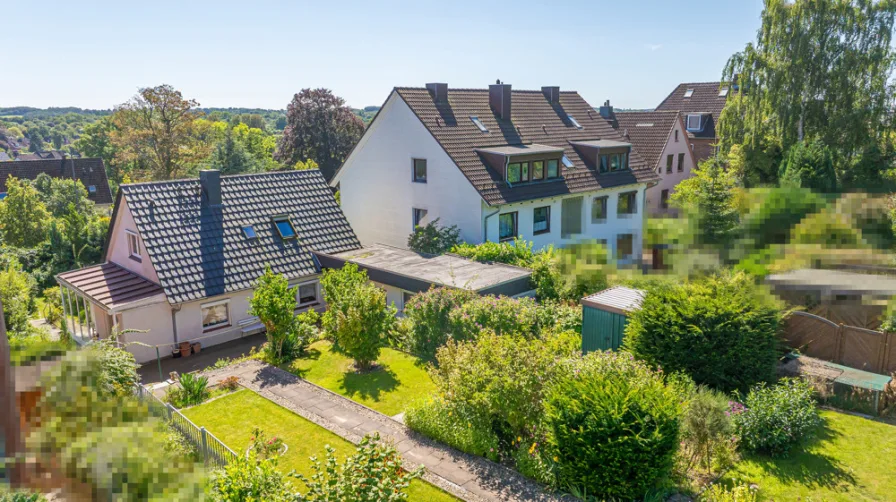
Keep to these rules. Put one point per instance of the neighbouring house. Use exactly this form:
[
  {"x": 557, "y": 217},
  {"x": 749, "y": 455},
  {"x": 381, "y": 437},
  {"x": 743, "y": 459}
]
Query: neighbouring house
[
  {"x": 90, "y": 172},
  {"x": 498, "y": 163},
  {"x": 48, "y": 155},
  {"x": 661, "y": 139},
  {"x": 700, "y": 105}
]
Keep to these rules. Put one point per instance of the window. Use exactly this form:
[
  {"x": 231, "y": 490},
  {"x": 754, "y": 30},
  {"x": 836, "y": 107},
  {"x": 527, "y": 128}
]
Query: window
[
  {"x": 680, "y": 162},
  {"x": 676, "y": 135},
  {"x": 615, "y": 162},
  {"x": 723, "y": 92},
  {"x": 215, "y": 315},
  {"x": 626, "y": 204},
  {"x": 479, "y": 124},
  {"x": 664, "y": 199},
  {"x": 603, "y": 164},
  {"x": 571, "y": 216},
  {"x": 307, "y": 294},
  {"x": 553, "y": 169},
  {"x": 625, "y": 244},
  {"x": 284, "y": 226},
  {"x": 538, "y": 170},
  {"x": 566, "y": 162},
  {"x": 419, "y": 215},
  {"x": 541, "y": 220},
  {"x": 507, "y": 229},
  {"x": 599, "y": 209},
  {"x": 406, "y": 297},
  {"x": 249, "y": 231},
  {"x": 574, "y": 122},
  {"x": 688, "y": 93},
  {"x": 693, "y": 122},
  {"x": 133, "y": 244},
  {"x": 513, "y": 172},
  {"x": 420, "y": 170},
  {"x": 91, "y": 189},
  {"x": 524, "y": 171},
  {"x": 669, "y": 159}
]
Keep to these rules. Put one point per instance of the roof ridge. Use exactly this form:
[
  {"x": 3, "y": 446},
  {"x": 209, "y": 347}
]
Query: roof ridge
[
  {"x": 480, "y": 89},
  {"x": 294, "y": 172}
]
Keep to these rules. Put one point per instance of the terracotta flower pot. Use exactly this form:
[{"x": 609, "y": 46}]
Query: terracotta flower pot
[
  {"x": 197, "y": 347},
  {"x": 184, "y": 349}
]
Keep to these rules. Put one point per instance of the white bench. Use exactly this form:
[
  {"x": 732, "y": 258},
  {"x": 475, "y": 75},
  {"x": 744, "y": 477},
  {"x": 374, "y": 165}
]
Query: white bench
[{"x": 250, "y": 325}]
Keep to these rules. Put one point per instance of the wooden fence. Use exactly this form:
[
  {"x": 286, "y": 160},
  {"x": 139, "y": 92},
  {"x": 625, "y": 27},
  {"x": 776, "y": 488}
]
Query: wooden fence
[
  {"x": 852, "y": 346},
  {"x": 213, "y": 452}
]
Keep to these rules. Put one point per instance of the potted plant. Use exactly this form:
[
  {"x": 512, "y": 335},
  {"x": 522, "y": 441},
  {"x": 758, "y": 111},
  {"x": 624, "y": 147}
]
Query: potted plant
[{"x": 184, "y": 349}]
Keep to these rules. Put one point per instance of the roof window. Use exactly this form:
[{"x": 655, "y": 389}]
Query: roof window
[
  {"x": 91, "y": 189},
  {"x": 723, "y": 92},
  {"x": 284, "y": 226},
  {"x": 574, "y": 122},
  {"x": 644, "y": 124},
  {"x": 479, "y": 123},
  {"x": 688, "y": 93},
  {"x": 249, "y": 231},
  {"x": 566, "y": 162}
]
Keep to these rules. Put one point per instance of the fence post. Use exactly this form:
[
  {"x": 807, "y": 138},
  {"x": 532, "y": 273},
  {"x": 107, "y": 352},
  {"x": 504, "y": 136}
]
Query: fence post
[
  {"x": 838, "y": 349},
  {"x": 204, "y": 444},
  {"x": 159, "y": 360}
]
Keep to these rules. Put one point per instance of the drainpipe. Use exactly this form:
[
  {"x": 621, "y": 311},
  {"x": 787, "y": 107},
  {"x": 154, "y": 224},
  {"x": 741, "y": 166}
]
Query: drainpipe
[
  {"x": 174, "y": 310},
  {"x": 485, "y": 225}
]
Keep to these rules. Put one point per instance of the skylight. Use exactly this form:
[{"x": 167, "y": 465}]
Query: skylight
[
  {"x": 688, "y": 93},
  {"x": 644, "y": 124},
  {"x": 574, "y": 121},
  {"x": 249, "y": 231},
  {"x": 91, "y": 189},
  {"x": 566, "y": 162},
  {"x": 479, "y": 124},
  {"x": 284, "y": 226},
  {"x": 723, "y": 92}
]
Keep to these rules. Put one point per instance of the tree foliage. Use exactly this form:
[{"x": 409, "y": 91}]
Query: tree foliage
[
  {"x": 274, "y": 302},
  {"x": 23, "y": 215},
  {"x": 320, "y": 127},
  {"x": 709, "y": 195},
  {"x": 809, "y": 164},
  {"x": 433, "y": 238}
]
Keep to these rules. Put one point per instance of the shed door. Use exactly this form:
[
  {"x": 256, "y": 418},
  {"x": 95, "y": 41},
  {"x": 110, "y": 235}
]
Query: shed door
[{"x": 601, "y": 330}]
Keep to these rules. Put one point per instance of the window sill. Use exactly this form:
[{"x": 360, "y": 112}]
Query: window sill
[
  {"x": 217, "y": 328},
  {"x": 307, "y": 306},
  {"x": 419, "y": 181},
  {"x": 136, "y": 258},
  {"x": 626, "y": 215},
  {"x": 507, "y": 239},
  {"x": 542, "y": 232},
  {"x": 598, "y": 221}
]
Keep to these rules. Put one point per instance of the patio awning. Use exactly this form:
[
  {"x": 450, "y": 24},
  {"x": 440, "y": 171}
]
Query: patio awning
[{"x": 111, "y": 286}]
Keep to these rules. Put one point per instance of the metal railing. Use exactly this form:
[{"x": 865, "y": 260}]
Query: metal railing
[{"x": 213, "y": 452}]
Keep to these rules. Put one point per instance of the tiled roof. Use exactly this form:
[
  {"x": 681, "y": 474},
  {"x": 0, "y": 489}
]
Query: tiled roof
[
  {"x": 110, "y": 285},
  {"x": 534, "y": 120},
  {"x": 91, "y": 172},
  {"x": 203, "y": 252},
  {"x": 647, "y": 132},
  {"x": 705, "y": 99}
]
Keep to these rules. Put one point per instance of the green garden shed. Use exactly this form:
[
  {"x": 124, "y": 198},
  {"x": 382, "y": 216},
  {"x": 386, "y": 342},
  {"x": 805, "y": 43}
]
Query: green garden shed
[{"x": 604, "y": 316}]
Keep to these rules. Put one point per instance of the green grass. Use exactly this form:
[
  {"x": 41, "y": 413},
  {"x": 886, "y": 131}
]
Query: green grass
[
  {"x": 399, "y": 379},
  {"x": 850, "y": 459},
  {"x": 232, "y": 418}
]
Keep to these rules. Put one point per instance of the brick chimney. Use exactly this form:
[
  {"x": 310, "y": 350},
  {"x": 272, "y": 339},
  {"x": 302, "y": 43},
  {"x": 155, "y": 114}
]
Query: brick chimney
[
  {"x": 210, "y": 185},
  {"x": 552, "y": 94},
  {"x": 438, "y": 91},
  {"x": 499, "y": 99}
]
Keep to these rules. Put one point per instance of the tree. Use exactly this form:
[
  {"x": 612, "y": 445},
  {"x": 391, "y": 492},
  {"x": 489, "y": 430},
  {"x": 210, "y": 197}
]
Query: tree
[
  {"x": 809, "y": 165},
  {"x": 16, "y": 296},
  {"x": 23, "y": 215},
  {"x": 274, "y": 302},
  {"x": 230, "y": 157},
  {"x": 154, "y": 131},
  {"x": 357, "y": 317},
  {"x": 818, "y": 69},
  {"x": 306, "y": 165},
  {"x": 709, "y": 193},
  {"x": 321, "y": 127},
  {"x": 62, "y": 195},
  {"x": 433, "y": 238}
]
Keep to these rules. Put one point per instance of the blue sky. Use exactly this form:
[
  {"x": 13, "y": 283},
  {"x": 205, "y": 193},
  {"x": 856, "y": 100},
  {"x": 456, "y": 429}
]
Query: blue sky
[{"x": 258, "y": 54}]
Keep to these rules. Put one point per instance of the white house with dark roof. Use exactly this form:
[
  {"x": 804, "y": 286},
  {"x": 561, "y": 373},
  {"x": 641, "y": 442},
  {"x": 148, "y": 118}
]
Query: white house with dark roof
[{"x": 498, "y": 163}]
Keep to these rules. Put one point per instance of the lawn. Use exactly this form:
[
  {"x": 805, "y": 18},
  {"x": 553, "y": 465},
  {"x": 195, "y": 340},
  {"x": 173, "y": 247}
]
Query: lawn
[
  {"x": 231, "y": 419},
  {"x": 850, "y": 459},
  {"x": 399, "y": 379}
]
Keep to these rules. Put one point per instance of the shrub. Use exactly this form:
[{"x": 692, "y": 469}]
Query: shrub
[
  {"x": 263, "y": 446},
  {"x": 429, "y": 313},
  {"x": 193, "y": 391},
  {"x": 118, "y": 368},
  {"x": 809, "y": 164},
  {"x": 251, "y": 479},
  {"x": 560, "y": 316},
  {"x": 274, "y": 302},
  {"x": 583, "y": 269},
  {"x": 434, "y": 238},
  {"x": 230, "y": 383},
  {"x": 519, "y": 252},
  {"x": 740, "y": 493},
  {"x": 453, "y": 425},
  {"x": 718, "y": 330},
  {"x": 51, "y": 310},
  {"x": 707, "y": 433},
  {"x": 614, "y": 426},
  {"x": 16, "y": 290},
  {"x": 501, "y": 314},
  {"x": 24, "y": 350},
  {"x": 776, "y": 418},
  {"x": 373, "y": 473}
]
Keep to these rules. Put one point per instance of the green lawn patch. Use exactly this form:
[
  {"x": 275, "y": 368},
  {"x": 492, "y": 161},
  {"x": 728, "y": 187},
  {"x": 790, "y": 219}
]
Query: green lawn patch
[
  {"x": 850, "y": 459},
  {"x": 231, "y": 419},
  {"x": 398, "y": 380}
]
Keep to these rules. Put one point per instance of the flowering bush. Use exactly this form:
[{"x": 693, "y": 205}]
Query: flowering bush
[
  {"x": 263, "y": 446},
  {"x": 776, "y": 418},
  {"x": 230, "y": 383},
  {"x": 501, "y": 314},
  {"x": 429, "y": 314},
  {"x": 559, "y": 315}
]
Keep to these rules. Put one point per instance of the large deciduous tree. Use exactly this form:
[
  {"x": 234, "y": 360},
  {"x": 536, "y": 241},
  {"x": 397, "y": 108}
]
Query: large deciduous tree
[
  {"x": 319, "y": 127},
  {"x": 23, "y": 215},
  {"x": 818, "y": 69},
  {"x": 154, "y": 132}
]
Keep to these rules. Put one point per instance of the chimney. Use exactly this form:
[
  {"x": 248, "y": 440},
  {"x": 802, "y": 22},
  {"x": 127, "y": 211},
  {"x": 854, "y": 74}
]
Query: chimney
[
  {"x": 439, "y": 92},
  {"x": 499, "y": 99},
  {"x": 210, "y": 187},
  {"x": 552, "y": 94},
  {"x": 606, "y": 111}
]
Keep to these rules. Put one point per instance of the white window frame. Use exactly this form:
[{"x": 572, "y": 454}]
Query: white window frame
[
  {"x": 688, "y": 93},
  {"x": 316, "y": 301},
  {"x": 133, "y": 246},
  {"x": 699, "y": 122},
  {"x": 204, "y": 306},
  {"x": 414, "y": 221}
]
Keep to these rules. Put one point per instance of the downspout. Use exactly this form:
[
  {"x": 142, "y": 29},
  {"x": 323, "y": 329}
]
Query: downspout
[{"x": 174, "y": 310}]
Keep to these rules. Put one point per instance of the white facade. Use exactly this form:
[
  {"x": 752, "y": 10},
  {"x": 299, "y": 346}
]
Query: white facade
[
  {"x": 378, "y": 194},
  {"x": 678, "y": 147}
]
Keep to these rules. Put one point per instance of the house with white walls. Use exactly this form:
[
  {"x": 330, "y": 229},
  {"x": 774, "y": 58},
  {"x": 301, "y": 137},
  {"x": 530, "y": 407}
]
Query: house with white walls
[
  {"x": 498, "y": 163},
  {"x": 662, "y": 141}
]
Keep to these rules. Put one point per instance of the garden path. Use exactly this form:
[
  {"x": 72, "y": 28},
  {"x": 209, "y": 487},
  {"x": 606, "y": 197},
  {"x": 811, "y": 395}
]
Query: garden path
[{"x": 465, "y": 476}]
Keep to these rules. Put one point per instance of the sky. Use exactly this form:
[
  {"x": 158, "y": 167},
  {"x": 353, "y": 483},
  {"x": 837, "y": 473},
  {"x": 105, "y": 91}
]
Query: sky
[{"x": 257, "y": 54}]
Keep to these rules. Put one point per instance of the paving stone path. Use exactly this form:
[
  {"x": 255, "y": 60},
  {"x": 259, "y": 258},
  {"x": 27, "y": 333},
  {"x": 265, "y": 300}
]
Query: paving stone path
[{"x": 468, "y": 477}]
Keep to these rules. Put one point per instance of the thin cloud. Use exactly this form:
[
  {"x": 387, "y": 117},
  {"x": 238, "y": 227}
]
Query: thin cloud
[{"x": 653, "y": 47}]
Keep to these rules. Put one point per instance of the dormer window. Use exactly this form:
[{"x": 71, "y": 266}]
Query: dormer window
[
  {"x": 574, "y": 122},
  {"x": 133, "y": 245},
  {"x": 553, "y": 169},
  {"x": 479, "y": 124},
  {"x": 694, "y": 122},
  {"x": 688, "y": 93},
  {"x": 723, "y": 92},
  {"x": 613, "y": 162},
  {"x": 284, "y": 226}
]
